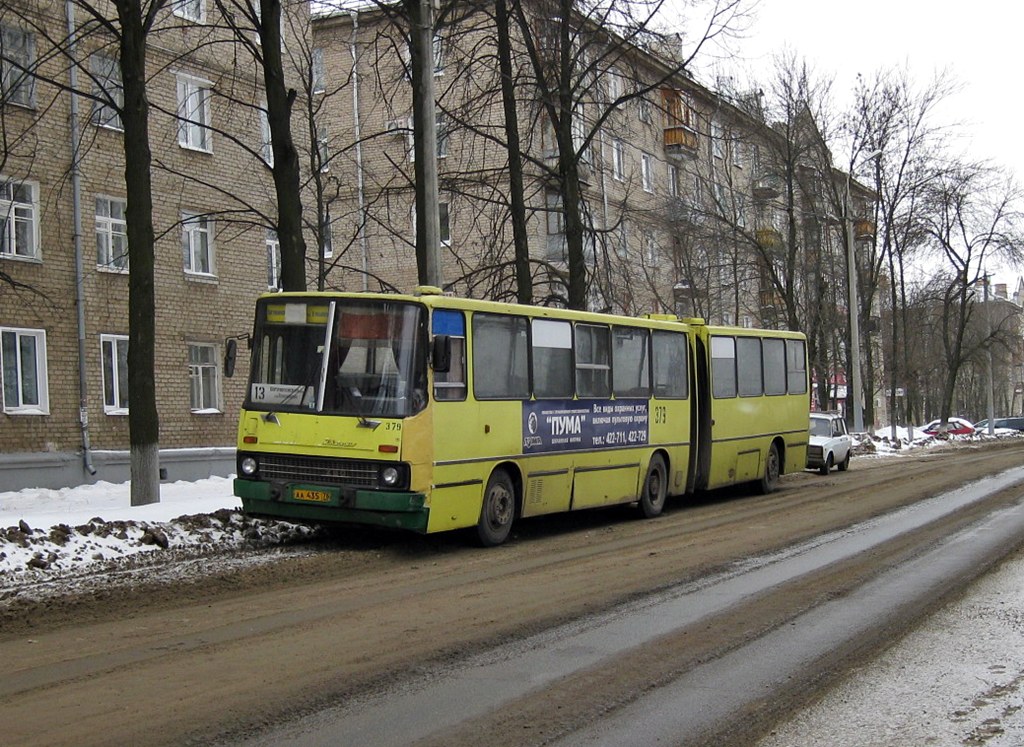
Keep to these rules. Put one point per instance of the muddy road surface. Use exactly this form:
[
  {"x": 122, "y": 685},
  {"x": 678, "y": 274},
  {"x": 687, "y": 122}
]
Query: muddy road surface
[{"x": 346, "y": 634}]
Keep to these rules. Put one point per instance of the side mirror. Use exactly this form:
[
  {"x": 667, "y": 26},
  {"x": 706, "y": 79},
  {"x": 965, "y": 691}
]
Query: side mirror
[
  {"x": 441, "y": 354},
  {"x": 230, "y": 355}
]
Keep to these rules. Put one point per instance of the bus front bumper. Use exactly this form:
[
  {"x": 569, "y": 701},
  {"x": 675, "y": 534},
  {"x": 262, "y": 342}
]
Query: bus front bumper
[{"x": 319, "y": 503}]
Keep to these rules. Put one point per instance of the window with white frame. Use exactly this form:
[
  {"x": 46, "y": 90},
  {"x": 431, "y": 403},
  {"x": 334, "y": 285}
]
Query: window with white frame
[
  {"x": 19, "y": 219},
  {"x": 444, "y": 224},
  {"x": 194, "y": 113},
  {"x": 203, "y": 375},
  {"x": 17, "y": 59},
  {"x": 114, "y": 354},
  {"x": 643, "y": 109},
  {"x": 317, "y": 73},
  {"x": 108, "y": 90},
  {"x": 23, "y": 371},
  {"x": 614, "y": 83},
  {"x": 325, "y": 230},
  {"x": 738, "y": 155},
  {"x": 111, "y": 234},
  {"x": 273, "y": 260},
  {"x": 555, "y": 221},
  {"x": 266, "y": 140},
  {"x": 622, "y": 239},
  {"x": 651, "y": 247},
  {"x": 323, "y": 148},
  {"x": 618, "y": 159},
  {"x": 673, "y": 180},
  {"x": 717, "y": 140},
  {"x": 647, "y": 172},
  {"x": 579, "y": 132},
  {"x": 437, "y": 48},
  {"x": 442, "y": 126},
  {"x": 197, "y": 244},
  {"x": 191, "y": 10}
]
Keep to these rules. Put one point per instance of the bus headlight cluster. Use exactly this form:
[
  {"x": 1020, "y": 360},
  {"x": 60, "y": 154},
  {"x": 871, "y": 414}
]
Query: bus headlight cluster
[
  {"x": 389, "y": 476},
  {"x": 248, "y": 466}
]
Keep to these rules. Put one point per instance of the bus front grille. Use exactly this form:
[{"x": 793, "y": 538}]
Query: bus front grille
[{"x": 319, "y": 470}]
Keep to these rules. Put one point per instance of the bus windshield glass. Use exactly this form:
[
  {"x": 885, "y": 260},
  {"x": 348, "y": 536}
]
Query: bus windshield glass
[{"x": 341, "y": 356}]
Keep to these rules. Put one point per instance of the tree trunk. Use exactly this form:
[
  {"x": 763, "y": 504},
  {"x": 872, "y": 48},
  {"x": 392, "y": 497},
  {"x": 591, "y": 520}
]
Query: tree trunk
[
  {"x": 524, "y": 279},
  {"x": 286, "y": 159},
  {"x": 143, "y": 419}
]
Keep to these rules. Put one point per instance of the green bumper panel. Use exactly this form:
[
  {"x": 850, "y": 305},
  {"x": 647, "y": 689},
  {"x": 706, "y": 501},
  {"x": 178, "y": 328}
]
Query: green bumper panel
[{"x": 332, "y": 504}]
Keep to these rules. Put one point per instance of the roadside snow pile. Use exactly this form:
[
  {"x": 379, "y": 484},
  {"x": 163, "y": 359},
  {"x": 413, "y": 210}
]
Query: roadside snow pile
[
  {"x": 881, "y": 442},
  {"x": 25, "y": 550},
  {"x": 47, "y": 534}
]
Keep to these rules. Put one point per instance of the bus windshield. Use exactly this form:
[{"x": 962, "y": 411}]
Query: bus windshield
[{"x": 340, "y": 357}]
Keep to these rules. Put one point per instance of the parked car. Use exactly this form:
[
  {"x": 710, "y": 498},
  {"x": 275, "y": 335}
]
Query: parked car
[
  {"x": 956, "y": 427},
  {"x": 1014, "y": 424},
  {"x": 830, "y": 444}
]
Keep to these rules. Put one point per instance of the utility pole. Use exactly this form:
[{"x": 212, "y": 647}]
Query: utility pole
[{"x": 428, "y": 226}]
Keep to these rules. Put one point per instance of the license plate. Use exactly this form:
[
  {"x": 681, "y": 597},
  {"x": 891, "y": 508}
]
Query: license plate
[{"x": 314, "y": 496}]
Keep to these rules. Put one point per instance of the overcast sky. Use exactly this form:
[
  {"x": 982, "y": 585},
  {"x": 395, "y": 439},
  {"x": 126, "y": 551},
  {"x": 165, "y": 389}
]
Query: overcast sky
[{"x": 980, "y": 43}]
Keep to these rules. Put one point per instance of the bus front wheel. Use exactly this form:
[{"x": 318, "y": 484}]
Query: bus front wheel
[
  {"x": 772, "y": 468},
  {"x": 498, "y": 510},
  {"x": 652, "y": 499}
]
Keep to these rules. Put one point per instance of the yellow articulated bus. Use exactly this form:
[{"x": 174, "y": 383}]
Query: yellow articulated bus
[{"x": 430, "y": 413}]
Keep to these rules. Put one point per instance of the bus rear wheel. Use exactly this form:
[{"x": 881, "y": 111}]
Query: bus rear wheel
[
  {"x": 498, "y": 510},
  {"x": 772, "y": 467},
  {"x": 652, "y": 498}
]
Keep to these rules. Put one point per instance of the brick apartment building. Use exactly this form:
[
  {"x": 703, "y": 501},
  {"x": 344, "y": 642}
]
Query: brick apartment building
[
  {"x": 683, "y": 199},
  {"x": 213, "y": 198}
]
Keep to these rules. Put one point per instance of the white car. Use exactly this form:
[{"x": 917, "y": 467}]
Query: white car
[{"x": 829, "y": 444}]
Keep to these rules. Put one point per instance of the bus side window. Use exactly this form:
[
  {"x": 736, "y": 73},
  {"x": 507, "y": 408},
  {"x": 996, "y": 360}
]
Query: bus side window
[
  {"x": 796, "y": 366},
  {"x": 723, "y": 366},
  {"x": 500, "y": 360},
  {"x": 451, "y": 384},
  {"x": 593, "y": 364},
  {"x": 773, "y": 351},
  {"x": 552, "y": 359},
  {"x": 748, "y": 366},
  {"x": 631, "y": 369},
  {"x": 671, "y": 380}
]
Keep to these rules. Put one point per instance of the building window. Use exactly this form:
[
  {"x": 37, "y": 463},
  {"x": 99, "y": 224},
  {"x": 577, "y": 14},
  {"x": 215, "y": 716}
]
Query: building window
[
  {"x": 266, "y": 140},
  {"x": 317, "y": 72},
  {"x": 194, "y": 113},
  {"x": 651, "y": 247},
  {"x": 323, "y": 152},
  {"x": 441, "y": 123},
  {"x": 191, "y": 10},
  {"x": 114, "y": 352},
  {"x": 556, "y": 246},
  {"x": 17, "y": 59},
  {"x": 325, "y": 231},
  {"x": 717, "y": 140},
  {"x": 109, "y": 92},
  {"x": 438, "y": 53},
  {"x": 622, "y": 240},
  {"x": 197, "y": 244},
  {"x": 647, "y": 172},
  {"x": 202, "y": 375},
  {"x": 23, "y": 371},
  {"x": 19, "y": 219},
  {"x": 273, "y": 261},
  {"x": 673, "y": 180},
  {"x": 614, "y": 85},
  {"x": 643, "y": 109},
  {"x": 739, "y": 159},
  {"x": 444, "y": 225},
  {"x": 111, "y": 234},
  {"x": 618, "y": 159}
]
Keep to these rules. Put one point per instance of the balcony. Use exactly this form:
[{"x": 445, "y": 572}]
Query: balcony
[
  {"x": 863, "y": 230},
  {"x": 680, "y": 140},
  {"x": 766, "y": 188},
  {"x": 768, "y": 238}
]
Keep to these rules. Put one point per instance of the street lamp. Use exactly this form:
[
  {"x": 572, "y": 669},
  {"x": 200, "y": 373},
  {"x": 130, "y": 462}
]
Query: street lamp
[{"x": 851, "y": 269}]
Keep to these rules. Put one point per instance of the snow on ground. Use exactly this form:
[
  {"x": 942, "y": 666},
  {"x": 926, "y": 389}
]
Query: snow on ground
[
  {"x": 47, "y": 534},
  {"x": 956, "y": 680}
]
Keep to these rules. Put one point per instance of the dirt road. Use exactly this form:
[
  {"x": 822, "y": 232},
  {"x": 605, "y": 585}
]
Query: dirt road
[{"x": 243, "y": 648}]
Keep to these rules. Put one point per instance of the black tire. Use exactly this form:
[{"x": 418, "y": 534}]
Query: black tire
[
  {"x": 655, "y": 488},
  {"x": 772, "y": 468},
  {"x": 827, "y": 466},
  {"x": 498, "y": 510},
  {"x": 845, "y": 464}
]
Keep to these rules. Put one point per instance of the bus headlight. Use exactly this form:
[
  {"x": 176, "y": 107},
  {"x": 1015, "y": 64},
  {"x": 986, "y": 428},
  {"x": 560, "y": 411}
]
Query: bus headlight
[
  {"x": 389, "y": 476},
  {"x": 248, "y": 466}
]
